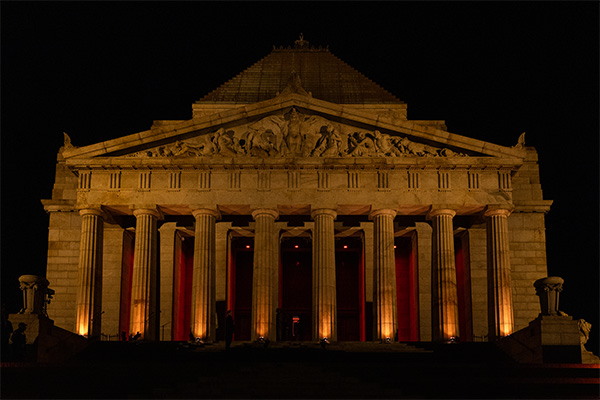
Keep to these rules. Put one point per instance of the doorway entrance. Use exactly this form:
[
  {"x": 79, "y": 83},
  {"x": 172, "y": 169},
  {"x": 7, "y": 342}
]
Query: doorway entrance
[
  {"x": 240, "y": 285},
  {"x": 183, "y": 267},
  {"x": 406, "y": 288},
  {"x": 294, "y": 317},
  {"x": 349, "y": 275}
]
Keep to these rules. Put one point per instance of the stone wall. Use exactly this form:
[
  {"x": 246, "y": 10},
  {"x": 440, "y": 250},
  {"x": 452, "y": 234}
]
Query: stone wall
[
  {"x": 64, "y": 235},
  {"x": 527, "y": 235},
  {"x": 478, "y": 264},
  {"x": 112, "y": 265}
]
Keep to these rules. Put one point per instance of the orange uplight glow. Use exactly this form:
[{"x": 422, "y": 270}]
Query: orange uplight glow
[
  {"x": 247, "y": 246},
  {"x": 198, "y": 331},
  {"x": 296, "y": 246},
  {"x": 345, "y": 246}
]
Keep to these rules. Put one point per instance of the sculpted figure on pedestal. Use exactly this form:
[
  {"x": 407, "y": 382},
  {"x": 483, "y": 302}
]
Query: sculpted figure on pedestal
[
  {"x": 294, "y": 139},
  {"x": 584, "y": 331}
]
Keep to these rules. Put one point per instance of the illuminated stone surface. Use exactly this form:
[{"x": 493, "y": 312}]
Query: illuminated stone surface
[{"x": 300, "y": 145}]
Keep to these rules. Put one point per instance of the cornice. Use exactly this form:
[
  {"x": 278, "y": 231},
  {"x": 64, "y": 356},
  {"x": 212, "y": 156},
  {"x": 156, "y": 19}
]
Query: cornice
[{"x": 204, "y": 124}]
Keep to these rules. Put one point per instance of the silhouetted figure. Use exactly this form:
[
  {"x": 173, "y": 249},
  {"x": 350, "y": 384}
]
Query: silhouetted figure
[
  {"x": 123, "y": 336},
  {"x": 192, "y": 337},
  {"x": 7, "y": 330},
  {"x": 18, "y": 342},
  {"x": 229, "y": 327},
  {"x": 300, "y": 328},
  {"x": 136, "y": 337},
  {"x": 286, "y": 327}
]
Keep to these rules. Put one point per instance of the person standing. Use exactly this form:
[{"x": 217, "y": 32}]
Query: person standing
[
  {"x": 7, "y": 331},
  {"x": 18, "y": 342},
  {"x": 229, "y": 327}
]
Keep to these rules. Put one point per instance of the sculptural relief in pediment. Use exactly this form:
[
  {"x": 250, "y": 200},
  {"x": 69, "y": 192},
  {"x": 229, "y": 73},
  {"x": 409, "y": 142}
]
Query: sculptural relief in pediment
[{"x": 294, "y": 134}]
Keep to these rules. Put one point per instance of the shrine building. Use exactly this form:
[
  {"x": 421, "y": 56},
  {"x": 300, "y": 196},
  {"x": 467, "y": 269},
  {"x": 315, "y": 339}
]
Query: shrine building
[{"x": 300, "y": 197}]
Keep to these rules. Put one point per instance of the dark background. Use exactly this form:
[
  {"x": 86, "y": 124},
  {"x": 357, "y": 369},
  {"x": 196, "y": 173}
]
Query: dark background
[{"x": 99, "y": 71}]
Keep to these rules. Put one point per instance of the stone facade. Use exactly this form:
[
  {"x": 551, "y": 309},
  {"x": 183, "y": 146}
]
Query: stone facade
[{"x": 172, "y": 202}]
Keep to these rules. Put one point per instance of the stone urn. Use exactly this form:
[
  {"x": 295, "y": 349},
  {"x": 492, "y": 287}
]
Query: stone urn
[
  {"x": 548, "y": 290},
  {"x": 35, "y": 289}
]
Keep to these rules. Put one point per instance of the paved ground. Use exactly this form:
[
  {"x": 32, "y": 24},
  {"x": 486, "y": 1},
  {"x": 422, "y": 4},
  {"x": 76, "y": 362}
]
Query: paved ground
[{"x": 293, "y": 370}]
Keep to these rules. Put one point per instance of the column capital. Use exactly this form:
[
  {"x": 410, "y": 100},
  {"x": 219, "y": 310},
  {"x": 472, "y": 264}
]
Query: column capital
[
  {"x": 197, "y": 212},
  {"x": 434, "y": 212},
  {"x": 97, "y": 211},
  {"x": 492, "y": 210},
  {"x": 323, "y": 211},
  {"x": 383, "y": 211},
  {"x": 147, "y": 211},
  {"x": 265, "y": 211}
]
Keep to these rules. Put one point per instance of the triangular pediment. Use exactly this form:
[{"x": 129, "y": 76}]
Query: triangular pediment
[{"x": 293, "y": 125}]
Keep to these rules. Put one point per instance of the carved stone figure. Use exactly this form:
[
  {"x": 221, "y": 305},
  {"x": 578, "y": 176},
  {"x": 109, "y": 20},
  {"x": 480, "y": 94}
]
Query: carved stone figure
[
  {"x": 584, "y": 331},
  {"x": 520, "y": 142},
  {"x": 361, "y": 145},
  {"x": 329, "y": 144},
  {"x": 223, "y": 143},
  {"x": 418, "y": 149},
  {"x": 293, "y": 139},
  {"x": 67, "y": 141},
  {"x": 296, "y": 135},
  {"x": 385, "y": 145}
]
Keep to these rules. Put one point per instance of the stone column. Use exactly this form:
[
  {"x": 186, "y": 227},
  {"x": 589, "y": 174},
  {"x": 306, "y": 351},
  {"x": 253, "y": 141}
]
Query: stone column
[
  {"x": 385, "y": 274},
  {"x": 500, "y": 307},
  {"x": 324, "y": 294},
  {"x": 89, "y": 290},
  {"x": 143, "y": 288},
  {"x": 264, "y": 274},
  {"x": 444, "y": 291},
  {"x": 203, "y": 320}
]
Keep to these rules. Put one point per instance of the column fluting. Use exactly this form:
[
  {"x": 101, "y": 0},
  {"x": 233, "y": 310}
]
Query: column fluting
[
  {"x": 264, "y": 274},
  {"x": 89, "y": 291},
  {"x": 143, "y": 288},
  {"x": 500, "y": 306},
  {"x": 444, "y": 289},
  {"x": 203, "y": 318},
  {"x": 385, "y": 274},
  {"x": 324, "y": 285}
]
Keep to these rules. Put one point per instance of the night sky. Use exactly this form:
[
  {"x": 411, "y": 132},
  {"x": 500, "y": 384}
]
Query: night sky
[{"x": 99, "y": 71}]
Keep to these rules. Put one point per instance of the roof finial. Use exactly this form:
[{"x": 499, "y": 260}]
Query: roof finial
[{"x": 301, "y": 43}]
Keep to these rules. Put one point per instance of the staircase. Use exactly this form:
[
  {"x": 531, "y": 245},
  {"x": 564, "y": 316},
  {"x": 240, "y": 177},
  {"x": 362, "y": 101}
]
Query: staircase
[{"x": 297, "y": 370}]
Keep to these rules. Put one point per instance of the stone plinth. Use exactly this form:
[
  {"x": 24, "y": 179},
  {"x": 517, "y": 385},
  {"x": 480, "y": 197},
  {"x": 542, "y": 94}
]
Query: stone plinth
[
  {"x": 45, "y": 342},
  {"x": 547, "y": 339}
]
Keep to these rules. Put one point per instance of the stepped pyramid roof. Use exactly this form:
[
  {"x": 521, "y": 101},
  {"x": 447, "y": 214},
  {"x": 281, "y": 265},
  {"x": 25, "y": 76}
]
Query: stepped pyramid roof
[{"x": 322, "y": 74}]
